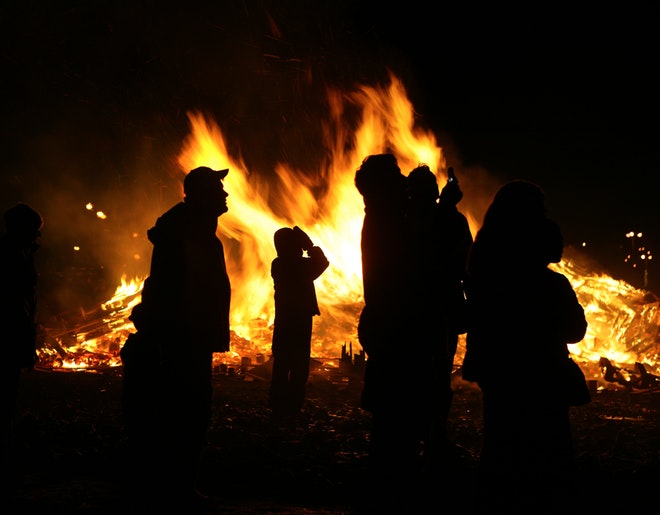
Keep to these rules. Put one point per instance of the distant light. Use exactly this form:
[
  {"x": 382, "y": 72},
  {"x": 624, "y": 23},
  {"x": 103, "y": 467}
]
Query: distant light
[
  {"x": 101, "y": 215},
  {"x": 584, "y": 243},
  {"x": 137, "y": 257},
  {"x": 76, "y": 248},
  {"x": 89, "y": 206}
]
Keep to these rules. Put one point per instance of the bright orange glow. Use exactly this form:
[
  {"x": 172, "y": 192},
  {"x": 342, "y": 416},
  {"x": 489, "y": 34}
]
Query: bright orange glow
[
  {"x": 332, "y": 216},
  {"x": 622, "y": 326}
]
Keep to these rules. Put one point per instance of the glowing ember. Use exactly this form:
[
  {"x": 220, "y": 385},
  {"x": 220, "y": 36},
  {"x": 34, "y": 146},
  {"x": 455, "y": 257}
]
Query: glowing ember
[
  {"x": 97, "y": 335},
  {"x": 623, "y": 326}
]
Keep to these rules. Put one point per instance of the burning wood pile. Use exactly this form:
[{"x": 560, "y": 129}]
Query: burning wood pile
[
  {"x": 640, "y": 378},
  {"x": 624, "y": 327},
  {"x": 620, "y": 349}
]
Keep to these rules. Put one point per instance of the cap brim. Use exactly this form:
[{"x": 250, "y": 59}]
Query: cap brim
[{"x": 223, "y": 173}]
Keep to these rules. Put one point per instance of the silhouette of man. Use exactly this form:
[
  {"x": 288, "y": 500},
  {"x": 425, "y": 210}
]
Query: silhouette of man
[
  {"x": 182, "y": 320},
  {"x": 440, "y": 242},
  {"x": 384, "y": 325},
  {"x": 18, "y": 313},
  {"x": 295, "y": 306}
]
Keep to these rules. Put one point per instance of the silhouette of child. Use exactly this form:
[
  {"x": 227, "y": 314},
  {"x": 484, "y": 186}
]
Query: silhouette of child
[{"x": 295, "y": 306}]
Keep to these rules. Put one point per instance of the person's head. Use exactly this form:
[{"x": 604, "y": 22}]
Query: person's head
[
  {"x": 518, "y": 202},
  {"x": 287, "y": 243},
  {"x": 380, "y": 181},
  {"x": 23, "y": 222},
  {"x": 422, "y": 185},
  {"x": 203, "y": 189},
  {"x": 509, "y": 237}
]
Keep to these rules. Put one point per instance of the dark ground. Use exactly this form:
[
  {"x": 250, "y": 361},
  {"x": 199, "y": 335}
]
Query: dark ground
[{"x": 71, "y": 448}]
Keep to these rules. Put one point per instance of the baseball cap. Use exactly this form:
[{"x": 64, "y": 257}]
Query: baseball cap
[{"x": 201, "y": 178}]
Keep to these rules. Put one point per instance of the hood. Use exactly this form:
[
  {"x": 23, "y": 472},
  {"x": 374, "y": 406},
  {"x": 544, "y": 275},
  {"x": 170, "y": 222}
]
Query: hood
[{"x": 169, "y": 225}]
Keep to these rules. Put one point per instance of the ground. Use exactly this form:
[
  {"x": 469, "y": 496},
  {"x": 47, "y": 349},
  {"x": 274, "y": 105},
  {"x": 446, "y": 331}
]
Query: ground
[{"x": 71, "y": 446}]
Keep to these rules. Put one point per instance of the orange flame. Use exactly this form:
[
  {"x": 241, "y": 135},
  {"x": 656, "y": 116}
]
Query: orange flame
[
  {"x": 326, "y": 204},
  {"x": 330, "y": 213}
]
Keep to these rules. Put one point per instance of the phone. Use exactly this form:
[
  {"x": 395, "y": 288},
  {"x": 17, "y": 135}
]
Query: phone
[{"x": 451, "y": 176}]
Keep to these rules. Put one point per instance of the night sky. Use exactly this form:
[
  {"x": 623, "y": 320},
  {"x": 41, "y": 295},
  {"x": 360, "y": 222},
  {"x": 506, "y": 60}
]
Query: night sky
[{"x": 569, "y": 100}]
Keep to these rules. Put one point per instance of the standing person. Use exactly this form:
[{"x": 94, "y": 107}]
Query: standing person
[
  {"x": 384, "y": 325},
  {"x": 295, "y": 307},
  {"x": 18, "y": 314},
  {"x": 522, "y": 315},
  {"x": 440, "y": 242},
  {"x": 459, "y": 235},
  {"x": 182, "y": 320}
]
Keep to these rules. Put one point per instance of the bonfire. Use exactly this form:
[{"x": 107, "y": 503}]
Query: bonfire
[{"x": 623, "y": 321}]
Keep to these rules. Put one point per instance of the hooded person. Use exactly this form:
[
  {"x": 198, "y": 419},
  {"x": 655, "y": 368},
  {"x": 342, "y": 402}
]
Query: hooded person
[
  {"x": 296, "y": 305},
  {"x": 18, "y": 315}
]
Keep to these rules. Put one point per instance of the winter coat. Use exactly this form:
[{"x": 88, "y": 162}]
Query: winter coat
[{"x": 187, "y": 293}]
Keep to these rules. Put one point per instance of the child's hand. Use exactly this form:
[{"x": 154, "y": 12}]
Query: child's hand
[{"x": 305, "y": 241}]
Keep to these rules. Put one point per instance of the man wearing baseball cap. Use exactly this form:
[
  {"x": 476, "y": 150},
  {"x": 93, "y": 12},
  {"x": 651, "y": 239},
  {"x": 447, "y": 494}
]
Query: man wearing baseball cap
[
  {"x": 182, "y": 320},
  {"x": 203, "y": 187}
]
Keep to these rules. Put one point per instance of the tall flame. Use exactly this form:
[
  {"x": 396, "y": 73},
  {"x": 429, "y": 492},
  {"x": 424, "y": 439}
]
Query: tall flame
[
  {"x": 330, "y": 211},
  {"x": 326, "y": 204}
]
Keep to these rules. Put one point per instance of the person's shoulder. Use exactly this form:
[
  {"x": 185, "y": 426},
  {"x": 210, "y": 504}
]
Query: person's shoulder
[
  {"x": 170, "y": 225},
  {"x": 449, "y": 212},
  {"x": 556, "y": 277},
  {"x": 177, "y": 210}
]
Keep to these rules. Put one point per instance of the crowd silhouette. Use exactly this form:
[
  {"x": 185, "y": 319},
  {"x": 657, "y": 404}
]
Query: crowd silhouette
[{"x": 426, "y": 280}]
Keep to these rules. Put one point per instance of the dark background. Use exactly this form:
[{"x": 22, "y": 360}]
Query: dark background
[{"x": 95, "y": 97}]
